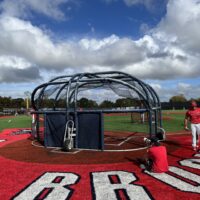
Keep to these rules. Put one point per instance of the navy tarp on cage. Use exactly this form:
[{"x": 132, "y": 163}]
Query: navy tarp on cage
[
  {"x": 55, "y": 129},
  {"x": 90, "y": 131}
]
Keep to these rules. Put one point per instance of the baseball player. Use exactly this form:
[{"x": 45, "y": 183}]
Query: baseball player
[{"x": 193, "y": 116}]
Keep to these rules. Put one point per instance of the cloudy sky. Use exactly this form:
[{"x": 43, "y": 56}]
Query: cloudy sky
[{"x": 157, "y": 41}]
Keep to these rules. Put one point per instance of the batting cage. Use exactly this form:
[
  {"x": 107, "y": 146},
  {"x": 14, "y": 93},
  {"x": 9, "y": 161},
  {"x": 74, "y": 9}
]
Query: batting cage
[{"x": 99, "y": 111}]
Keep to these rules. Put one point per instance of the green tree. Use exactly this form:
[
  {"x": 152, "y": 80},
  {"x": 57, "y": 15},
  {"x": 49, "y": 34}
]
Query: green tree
[
  {"x": 5, "y": 102},
  {"x": 18, "y": 103},
  {"x": 107, "y": 104},
  {"x": 178, "y": 98},
  {"x": 87, "y": 103},
  {"x": 198, "y": 99},
  {"x": 126, "y": 102}
]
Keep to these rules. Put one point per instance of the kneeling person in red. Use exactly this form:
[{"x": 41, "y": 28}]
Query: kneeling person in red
[{"x": 157, "y": 157}]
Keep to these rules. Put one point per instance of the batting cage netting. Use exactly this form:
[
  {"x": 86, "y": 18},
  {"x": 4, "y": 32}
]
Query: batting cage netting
[{"x": 102, "y": 111}]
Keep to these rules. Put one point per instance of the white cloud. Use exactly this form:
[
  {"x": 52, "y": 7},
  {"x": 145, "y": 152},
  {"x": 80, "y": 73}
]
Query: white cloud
[
  {"x": 151, "y": 5},
  {"x": 156, "y": 86},
  {"x": 161, "y": 54},
  {"x": 94, "y": 44},
  {"x": 180, "y": 26},
  {"x": 144, "y": 28},
  {"x": 15, "y": 62},
  {"x": 169, "y": 51},
  {"x": 164, "y": 53},
  {"x": 15, "y": 69},
  {"x": 21, "y": 38},
  {"x": 165, "y": 91},
  {"x": 184, "y": 88},
  {"x": 23, "y": 8},
  {"x": 153, "y": 56}
]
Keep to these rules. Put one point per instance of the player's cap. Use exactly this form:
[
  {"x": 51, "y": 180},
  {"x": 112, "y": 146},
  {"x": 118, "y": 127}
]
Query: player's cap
[{"x": 193, "y": 104}]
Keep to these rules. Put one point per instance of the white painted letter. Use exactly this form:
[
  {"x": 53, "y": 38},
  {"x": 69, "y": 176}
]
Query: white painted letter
[
  {"x": 178, "y": 183},
  {"x": 115, "y": 185},
  {"x": 49, "y": 186}
]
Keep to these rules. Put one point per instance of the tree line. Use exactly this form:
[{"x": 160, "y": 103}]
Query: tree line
[
  {"x": 177, "y": 102},
  {"x": 181, "y": 98},
  {"x": 8, "y": 102}
]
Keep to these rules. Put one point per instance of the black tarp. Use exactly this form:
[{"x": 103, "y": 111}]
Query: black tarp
[
  {"x": 90, "y": 130},
  {"x": 55, "y": 129}
]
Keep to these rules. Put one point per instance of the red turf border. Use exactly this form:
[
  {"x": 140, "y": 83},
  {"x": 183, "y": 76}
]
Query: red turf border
[{"x": 17, "y": 176}]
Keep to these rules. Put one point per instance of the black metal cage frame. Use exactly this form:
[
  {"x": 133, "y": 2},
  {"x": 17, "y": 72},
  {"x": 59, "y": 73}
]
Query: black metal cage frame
[{"x": 67, "y": 88}]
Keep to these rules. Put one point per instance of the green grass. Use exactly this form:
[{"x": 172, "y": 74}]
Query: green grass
[
  {"x": 20, "y": 121},
  {"x": 174, "y": 123},
  {"x": 111, "y": 123},
  {"x": 123, "y": 123}
]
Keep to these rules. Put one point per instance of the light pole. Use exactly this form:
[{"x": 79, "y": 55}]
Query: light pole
[{"x": 27, "y": 94}]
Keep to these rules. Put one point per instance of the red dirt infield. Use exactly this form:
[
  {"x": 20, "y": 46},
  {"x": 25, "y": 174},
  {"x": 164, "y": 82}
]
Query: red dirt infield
[{"x": 29, "y": 171}]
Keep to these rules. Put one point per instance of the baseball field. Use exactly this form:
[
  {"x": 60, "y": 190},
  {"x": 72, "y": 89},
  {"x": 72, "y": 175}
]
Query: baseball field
[{"x": 30, "y": 171}]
